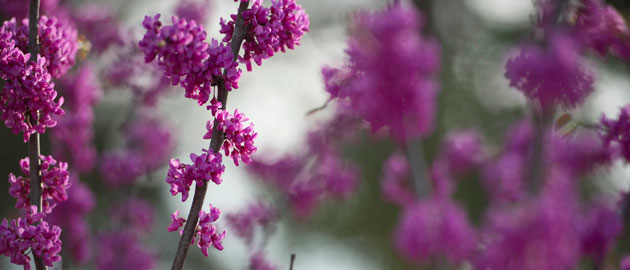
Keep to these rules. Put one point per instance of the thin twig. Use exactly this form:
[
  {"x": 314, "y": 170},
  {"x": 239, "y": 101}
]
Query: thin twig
[
  {"x": 292, "y": 262},
  {"x": 33, "y": 142},
  {"x": 215, "y": 144},
  {"x": 312, "y": 111}
]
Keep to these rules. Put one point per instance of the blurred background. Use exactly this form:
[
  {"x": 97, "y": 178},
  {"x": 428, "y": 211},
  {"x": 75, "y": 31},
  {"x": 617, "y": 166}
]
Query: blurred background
[{"x": 476, "y": 37}]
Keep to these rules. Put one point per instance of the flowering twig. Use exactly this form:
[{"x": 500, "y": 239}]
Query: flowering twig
[
  {"x": 33, "y": 142},
  {"x": 215, "y": 144}
]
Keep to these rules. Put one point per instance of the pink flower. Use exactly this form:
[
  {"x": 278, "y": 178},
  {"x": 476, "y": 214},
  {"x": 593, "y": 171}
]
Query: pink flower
[
  {"x": 176, "y": 222},
  {"x": 390, "y": 77},
  {"x": 270, "y": 29},
  {"x": 551, "y": 76},
  {"x": 54, "y": 179}
]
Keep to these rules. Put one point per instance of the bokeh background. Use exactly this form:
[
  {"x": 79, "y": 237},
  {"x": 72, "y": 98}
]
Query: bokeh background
[{"x": 476, "y": 37}]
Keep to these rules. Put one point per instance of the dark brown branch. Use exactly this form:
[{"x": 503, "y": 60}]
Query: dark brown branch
[
  {"x": 33, "y": 142},
  {"x": 215, "y": 144},
  {"x": 292, "y": 262}
]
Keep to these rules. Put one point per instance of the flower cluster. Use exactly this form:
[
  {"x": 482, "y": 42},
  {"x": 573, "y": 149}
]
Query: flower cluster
[
  {"x": 121, "y": 250},
  {"x": 58, "y": 42},
  {"x": 307, "y": 178},
  {"x": 270, "y": 30},
  {"x": 98, "y": 23},
  {"x": 551, "y": 76},
  {"x": 196, "y": 10},
  {"x": 31, "y": 232},
  {"x": 206, "y": 167},
  {"x": 71, "y": 216},
  {"x": 618, "y": 131},
  {"x": 389, "y": 80},
  {"x": 245, "y": 221},
  {"x": 28, "y": 88},
  {"x": 239, "y": 138},
  {"x": 433, "y": 227},
  {"x": 187, "y": 59},
  {"x": 395, "y": 179},
  {"x": 73, "y": 134},
  {"x": 54, "y": 177},
  {"x": 205, "y": 232},
  {"x": 122, "y": 247},
  {"x": 123, "y": 166}
]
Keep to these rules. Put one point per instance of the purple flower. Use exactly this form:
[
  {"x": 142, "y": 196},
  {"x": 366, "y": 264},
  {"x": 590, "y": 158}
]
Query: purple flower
[
  {"x": 601, "y": 226},
  {"x": 58, "y": 42},
  {"x": 121, "y": 167},
  {"x": 257, "y": 261},
  {"x": 463, "y": 150},
  {"x": 186, "y": 58},
  {"x": 239, "y": 138},
  {"x": 207, "y": 233},
  {"x": 54, "y": 179},
  {"x": 255, "y": 214},
  {"x": 602, "y": 28},
  {"x": 135, "y": 214},
  {"x": 539, "y": 234},
  {"x": 272, "y": 29},
  {"x": 618, "y": 131},
  {"x": 74, "y": 134},
  {"x": 122, "y": 250},
  {"x": 390, "y": 78},
  {"x": 551, "y": 76},
  {"x": 625, "y": 263},
  {"x": 207, "y": 167},
  {"x": 21, "y": 234},
  {"x": 99, "y": 24},
  {"x": 28, "y": 89},
  {"x": 396, "y": 177},
  {"x": 176, "y": 222},
  {"x": 71, "y": 217},
  {"x": 196, "y": 10},
  {"x": 432, "y": 228}
]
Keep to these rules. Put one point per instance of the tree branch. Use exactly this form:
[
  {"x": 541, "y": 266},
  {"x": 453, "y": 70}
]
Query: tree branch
[
  {"x": 33, "y": 142},
  {"x": 215, "y": 144}
]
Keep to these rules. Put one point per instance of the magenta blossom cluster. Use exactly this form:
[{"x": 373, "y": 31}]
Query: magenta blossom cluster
[
  {"x": 239, "y": 137},
  {"x": 122, "y": 247},
  {"x": 74, "y": 134},
  {"x": 617, "y": 131},
  {"x": 187, "y": 59},
  {"x": 58, "y": 42},
  {"x": 137, "y": 215},
  {"x": 257, "y": 261},
  {"x": 54, "y": 177},
  {"x": 98, "y": 23},
  {"x": 432, "y": 227},
  {"x": 270, "y": 30},
  {"x": 31, "y": 232},
  {"x": 206, "y": 233},
  {"x": 195, "y": 10},
  {"x": 143, "y": 153},
  {"x": 390, "y": 76},
  {"x": 255, "y": 214},
  {"x": 28, "y": 88},
  {"x": 71, "y": 217},
  {"x": 307, "y": 178},
  {"x": 206, "y": 167},
  {"x": 555, "y": 75},
  {"x": 602, "y": 28},
  {"x": 123, "y": 250}
]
